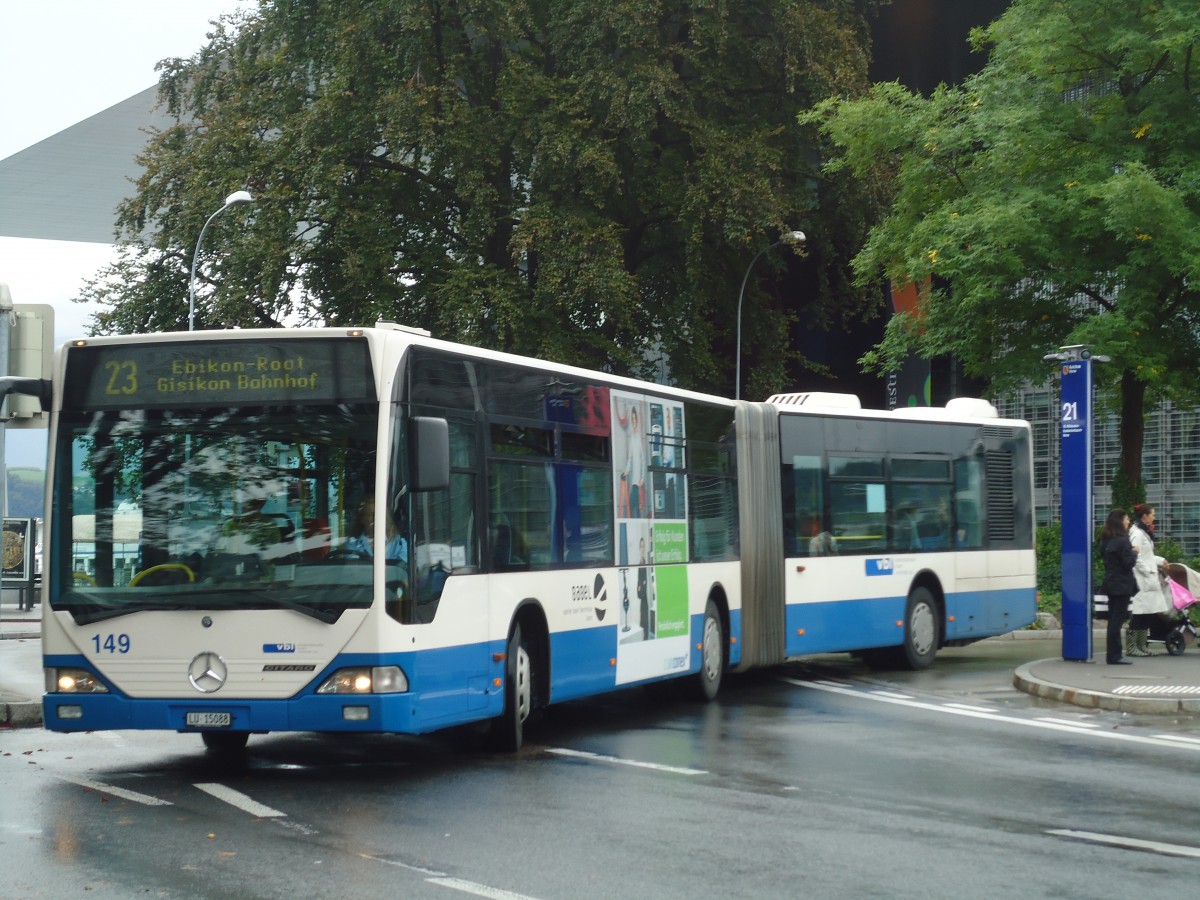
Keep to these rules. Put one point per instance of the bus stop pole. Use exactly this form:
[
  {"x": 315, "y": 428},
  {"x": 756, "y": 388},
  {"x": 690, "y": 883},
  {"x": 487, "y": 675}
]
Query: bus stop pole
[{"x": 1075, "y": 378}]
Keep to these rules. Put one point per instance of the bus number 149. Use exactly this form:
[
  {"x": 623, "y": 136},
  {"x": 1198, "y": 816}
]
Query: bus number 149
[{"x": 111, "y": 643}]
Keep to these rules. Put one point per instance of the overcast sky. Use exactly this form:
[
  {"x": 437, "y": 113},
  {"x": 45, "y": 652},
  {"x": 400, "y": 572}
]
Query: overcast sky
[{"x": 62, "y": 61}]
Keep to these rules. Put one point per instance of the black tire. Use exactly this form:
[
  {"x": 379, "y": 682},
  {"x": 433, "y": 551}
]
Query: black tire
[
  {"x": 341, "y": 554},
  {"x": 1175, "y": 643},
  {"x": 712, "y": 654},
  {"x": 508, "y": 729},
  {"x": 921, "y": 629},
  {"x": 225, "y": 743}
]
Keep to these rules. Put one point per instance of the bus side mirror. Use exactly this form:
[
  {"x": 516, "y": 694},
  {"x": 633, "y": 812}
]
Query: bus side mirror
[{"x": 429, "y": 453}]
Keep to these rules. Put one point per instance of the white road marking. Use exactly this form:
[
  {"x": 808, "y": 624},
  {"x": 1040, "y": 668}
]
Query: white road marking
[
  {"x": 457, "y": 884},
  {"x": 144, "y": 799},
  {"x": 894, "y": 696},
  {"x": 1111, "y": 735},
  {"x": 598, "y": 757},
  {"x": 966, "y": 706},
  {"x": 241, "y": 801},
  {"x": 420, "y": 870},
  {"x": 1180, "y": 738},
  {"x": 1128, "y": 843},
  {"x": 1071, "y": 722},
  {"x": 479, "y": 890}
]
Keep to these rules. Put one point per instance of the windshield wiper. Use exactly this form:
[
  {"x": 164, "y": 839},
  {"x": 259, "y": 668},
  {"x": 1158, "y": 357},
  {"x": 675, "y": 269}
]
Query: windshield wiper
[{"x": 90, "y": 610}]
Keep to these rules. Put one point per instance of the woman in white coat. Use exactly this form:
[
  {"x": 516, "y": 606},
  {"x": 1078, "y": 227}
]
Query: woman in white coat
[{"x": 1150, "y": 600}]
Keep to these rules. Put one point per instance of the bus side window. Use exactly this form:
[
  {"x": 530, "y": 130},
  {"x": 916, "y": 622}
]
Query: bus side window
[
  {"x": 968, "y": 489},
  {"x": 968, "y": 534},
  {"x": 502, "y": 545}
]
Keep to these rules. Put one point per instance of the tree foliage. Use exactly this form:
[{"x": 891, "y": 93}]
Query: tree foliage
[
  {"x": 574, "y": 180},
  {"x": 1053, "y": 199}
]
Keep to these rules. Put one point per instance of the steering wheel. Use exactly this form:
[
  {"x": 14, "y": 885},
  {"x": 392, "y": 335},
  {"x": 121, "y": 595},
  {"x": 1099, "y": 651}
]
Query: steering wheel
[
  {"x": 164, "y": 568},
  {"x": 343, "y": 553}
]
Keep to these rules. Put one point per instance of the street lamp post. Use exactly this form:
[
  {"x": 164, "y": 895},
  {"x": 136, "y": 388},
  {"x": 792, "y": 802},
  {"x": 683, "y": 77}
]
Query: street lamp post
[
  {"x": 233, "y": 199},
  {"x": 792, "y": 238}
]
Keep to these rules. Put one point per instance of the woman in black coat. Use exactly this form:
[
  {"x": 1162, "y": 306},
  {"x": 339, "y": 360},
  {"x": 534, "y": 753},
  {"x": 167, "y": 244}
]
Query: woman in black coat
[{"x": 1119, "y": 583}]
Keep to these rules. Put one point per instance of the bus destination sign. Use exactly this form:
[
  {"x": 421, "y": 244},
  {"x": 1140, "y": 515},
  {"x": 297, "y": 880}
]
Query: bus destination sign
[{"x": 206, "y": 373}]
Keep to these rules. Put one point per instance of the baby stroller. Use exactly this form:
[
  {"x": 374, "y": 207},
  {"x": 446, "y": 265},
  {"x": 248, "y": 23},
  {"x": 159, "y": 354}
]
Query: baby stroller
[{"x": 1177, "y": 629}]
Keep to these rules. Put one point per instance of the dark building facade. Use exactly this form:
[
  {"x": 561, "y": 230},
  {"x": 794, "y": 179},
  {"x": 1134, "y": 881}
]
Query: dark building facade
[{"x": 921, "y": 44}]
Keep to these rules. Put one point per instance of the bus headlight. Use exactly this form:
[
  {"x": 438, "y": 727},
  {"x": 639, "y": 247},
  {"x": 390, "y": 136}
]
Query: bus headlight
[
  {"x": 365, "y": 680},
  {"x": 73, "y": 681}
]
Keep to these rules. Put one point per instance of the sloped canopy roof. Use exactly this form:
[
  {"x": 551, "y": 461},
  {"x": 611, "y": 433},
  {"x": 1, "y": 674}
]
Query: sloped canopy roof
[{"x": 67, "y": 187}]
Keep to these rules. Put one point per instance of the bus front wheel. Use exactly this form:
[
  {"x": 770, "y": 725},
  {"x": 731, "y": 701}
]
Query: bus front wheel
[
  {"x": 712, "y": 653},
  {"x": 508, "y": 730},
  {"x": 920, "y": 629}
]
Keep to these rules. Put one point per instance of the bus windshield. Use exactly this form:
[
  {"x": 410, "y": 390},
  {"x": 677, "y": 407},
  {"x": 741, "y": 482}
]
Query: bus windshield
[{"x": 243, "y": 507}]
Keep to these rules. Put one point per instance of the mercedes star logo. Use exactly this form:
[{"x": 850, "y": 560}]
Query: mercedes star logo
[{"x": 207, "y": 672}]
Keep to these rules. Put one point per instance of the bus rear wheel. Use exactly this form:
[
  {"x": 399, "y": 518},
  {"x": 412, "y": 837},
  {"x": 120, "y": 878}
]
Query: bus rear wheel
[
  {"x": 712, "y": 654},
  {"x": 920, "y": 629},
  {"x": 508, "y": 730}
]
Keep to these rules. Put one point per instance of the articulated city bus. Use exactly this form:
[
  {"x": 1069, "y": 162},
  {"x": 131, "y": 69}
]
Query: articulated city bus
[{"x": 369, "y": 530}]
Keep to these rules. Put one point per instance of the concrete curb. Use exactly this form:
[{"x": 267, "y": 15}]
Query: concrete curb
[
  {"x": 1042, "y": 634},
  {"x": 1023, "y": 680},
  {"x": 21, "y": 714}
]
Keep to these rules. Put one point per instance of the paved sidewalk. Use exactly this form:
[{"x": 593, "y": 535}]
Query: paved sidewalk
[
  {"x": 1153, "y": 684},
  {"x": 1157, "y": 684},
  {"x": 21, "y": 682}
]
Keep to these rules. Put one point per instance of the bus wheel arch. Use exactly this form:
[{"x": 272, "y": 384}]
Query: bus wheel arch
[{"x": 526, "y": 677}]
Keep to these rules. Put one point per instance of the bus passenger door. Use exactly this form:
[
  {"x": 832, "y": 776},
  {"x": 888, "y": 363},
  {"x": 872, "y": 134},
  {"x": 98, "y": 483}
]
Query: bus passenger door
[{"x": 447, "y": 594}]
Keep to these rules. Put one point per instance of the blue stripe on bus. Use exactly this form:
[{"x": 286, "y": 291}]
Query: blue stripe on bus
[
  {"x": 987, "y": 613},
  {"x": 844, "y": 625},
  {"x": 440, "y": 701},
  {"x": 441, "y": 694},
  {"x": 580, "y": 662},
  {"x": 581, "y": 666},
  {"x": 735, "y": 636}
]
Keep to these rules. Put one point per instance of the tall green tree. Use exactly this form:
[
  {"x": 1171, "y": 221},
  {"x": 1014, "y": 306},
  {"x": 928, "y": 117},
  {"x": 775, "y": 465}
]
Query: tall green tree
[
  {"x": 578, "y": 180},
  {"x": 1053, "y": 199}
]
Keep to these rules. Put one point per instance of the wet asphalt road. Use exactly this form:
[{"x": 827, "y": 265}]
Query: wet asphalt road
[{"x": 818, "y": 780}]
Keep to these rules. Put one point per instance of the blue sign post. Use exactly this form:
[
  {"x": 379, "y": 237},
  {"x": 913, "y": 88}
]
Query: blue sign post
[{"x": 1077, "y": 517}]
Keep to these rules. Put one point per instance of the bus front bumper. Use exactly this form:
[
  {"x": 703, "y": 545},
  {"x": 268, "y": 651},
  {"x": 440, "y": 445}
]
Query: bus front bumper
[{"x": 393, "y": 713}]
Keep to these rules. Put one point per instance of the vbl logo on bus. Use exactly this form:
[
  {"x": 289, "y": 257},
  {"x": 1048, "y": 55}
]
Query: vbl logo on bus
[{"x": 880, "y": 566}]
